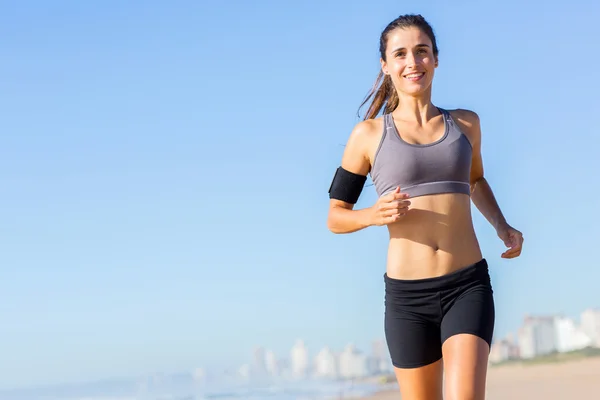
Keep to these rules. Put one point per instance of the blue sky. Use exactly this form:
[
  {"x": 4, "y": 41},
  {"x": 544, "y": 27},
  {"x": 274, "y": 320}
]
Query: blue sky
[{"x": 165, "y": 169}]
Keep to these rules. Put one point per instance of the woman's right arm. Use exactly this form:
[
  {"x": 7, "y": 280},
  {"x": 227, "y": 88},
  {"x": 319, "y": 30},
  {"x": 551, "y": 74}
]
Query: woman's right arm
[{"x": 342, "y": 217}]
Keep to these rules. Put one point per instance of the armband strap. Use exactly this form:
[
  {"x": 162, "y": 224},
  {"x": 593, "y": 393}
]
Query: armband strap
[{"x": 346, "y": 186}]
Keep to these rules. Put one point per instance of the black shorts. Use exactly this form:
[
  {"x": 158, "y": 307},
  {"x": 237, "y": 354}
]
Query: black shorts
[{"x": 421, "y": 314}]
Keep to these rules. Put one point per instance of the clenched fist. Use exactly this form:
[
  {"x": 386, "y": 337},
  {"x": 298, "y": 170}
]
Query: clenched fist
[{"x": 390, "y": 208}]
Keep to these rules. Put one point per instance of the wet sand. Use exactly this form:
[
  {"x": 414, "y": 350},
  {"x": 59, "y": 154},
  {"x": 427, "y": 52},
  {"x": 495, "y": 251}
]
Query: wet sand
[{"x": 573, "y": 380}]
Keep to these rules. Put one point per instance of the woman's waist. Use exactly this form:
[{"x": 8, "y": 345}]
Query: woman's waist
[
  {"x": 436, "y": 221},
  {"x": 420, "y": 260},
  {"x": 470, "y": 275},
  {"x": 435, "y": 234},
  {"x": 426, "y": 247}
]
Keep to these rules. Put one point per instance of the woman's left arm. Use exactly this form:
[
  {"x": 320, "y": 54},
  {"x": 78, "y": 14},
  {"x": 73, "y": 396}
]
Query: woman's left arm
[{"x": 481, "y": 191}]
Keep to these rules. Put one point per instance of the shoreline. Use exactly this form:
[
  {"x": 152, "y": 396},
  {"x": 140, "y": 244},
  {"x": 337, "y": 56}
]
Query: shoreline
[{"x": 553, "y": 381}]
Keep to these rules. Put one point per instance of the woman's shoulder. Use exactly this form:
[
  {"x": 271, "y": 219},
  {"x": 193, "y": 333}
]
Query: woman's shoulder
[
  {"x": 363, "y": 139},
  {"x": 465, "y": 116},
  {"x": 468, "y": 122},
  {"x": 367, "y": 130},
  {"x": 368, "y": 126},
  {"x": 364, "y": 132}
]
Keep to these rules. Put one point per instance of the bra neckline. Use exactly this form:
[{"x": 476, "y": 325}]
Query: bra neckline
[{"x": 392, "y": 124}]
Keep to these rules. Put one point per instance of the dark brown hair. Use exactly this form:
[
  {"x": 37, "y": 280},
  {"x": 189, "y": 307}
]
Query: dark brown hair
[{"x": 383, "y": 91}]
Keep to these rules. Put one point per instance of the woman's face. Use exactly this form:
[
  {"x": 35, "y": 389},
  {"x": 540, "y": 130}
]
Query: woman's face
[{"x": 410, "y": 60}]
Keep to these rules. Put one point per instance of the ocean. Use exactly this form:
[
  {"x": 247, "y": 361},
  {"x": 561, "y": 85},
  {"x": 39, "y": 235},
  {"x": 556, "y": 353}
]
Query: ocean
[{"x": 174, "y": 390}]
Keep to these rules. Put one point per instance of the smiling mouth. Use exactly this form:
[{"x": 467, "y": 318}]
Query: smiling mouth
[{"x": 414, "y": 76}]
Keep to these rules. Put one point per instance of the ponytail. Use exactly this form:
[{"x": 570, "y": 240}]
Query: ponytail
[{"x": 383, "y": 93}]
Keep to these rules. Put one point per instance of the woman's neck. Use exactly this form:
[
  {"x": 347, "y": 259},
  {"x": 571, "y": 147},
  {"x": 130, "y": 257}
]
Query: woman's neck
[{"x": 418, "y": 109}]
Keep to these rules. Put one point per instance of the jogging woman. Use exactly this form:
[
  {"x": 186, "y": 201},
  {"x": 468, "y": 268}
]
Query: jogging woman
[{"x": 426, "y": 166}]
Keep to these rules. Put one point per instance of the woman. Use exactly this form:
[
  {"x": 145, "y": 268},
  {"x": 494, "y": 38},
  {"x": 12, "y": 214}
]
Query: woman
[{"x": 426, "y": 166}]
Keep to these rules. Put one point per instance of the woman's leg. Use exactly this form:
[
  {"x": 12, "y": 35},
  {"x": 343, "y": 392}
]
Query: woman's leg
[
  {"x": 465, "y": 364},
  {"x": 467, "y": 329},
  {"x": 412, "y": 332},
  {"x": 422, "y": 383},
  {"x": 419, "y": 315}
]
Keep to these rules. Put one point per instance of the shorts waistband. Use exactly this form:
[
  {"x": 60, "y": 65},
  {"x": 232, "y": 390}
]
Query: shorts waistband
[{"x": 476, "y": 271}]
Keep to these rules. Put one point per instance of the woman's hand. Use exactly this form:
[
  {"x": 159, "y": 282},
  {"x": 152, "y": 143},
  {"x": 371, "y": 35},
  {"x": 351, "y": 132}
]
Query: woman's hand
[
  {"x": 512, "y": 238},
  {"x": 389, "y": 208}
]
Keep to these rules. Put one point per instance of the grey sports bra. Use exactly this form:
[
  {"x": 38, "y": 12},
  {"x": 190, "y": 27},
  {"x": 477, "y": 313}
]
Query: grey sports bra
[{"x": 443, "y": 166}]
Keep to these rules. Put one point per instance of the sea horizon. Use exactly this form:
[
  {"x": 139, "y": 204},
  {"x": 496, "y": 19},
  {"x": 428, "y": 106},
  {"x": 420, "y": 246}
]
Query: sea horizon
[{"x": 185, "y": 388}]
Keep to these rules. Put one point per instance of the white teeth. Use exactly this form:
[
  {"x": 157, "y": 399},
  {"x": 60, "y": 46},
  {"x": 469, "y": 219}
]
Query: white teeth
[{"x": 416, "y": 75}]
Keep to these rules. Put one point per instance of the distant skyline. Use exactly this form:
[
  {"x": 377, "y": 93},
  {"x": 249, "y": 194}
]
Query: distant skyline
[
  {"x": 165, "y": 170},
  {"x": 366, "y": 348},
  {"x": 232, "y": 369}
]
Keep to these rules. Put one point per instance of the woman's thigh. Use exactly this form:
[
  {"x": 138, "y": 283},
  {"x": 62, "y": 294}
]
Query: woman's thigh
[
  {"x": 466, "y": 331},
  {"x": 421, "y": 383},
  {"x": 465, "y": 367},
  {"x": 413, "y": 340}
]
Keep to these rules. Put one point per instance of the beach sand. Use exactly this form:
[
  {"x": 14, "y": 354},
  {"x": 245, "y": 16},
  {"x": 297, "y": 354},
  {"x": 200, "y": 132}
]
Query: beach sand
[{"x": 573, "y": 380}]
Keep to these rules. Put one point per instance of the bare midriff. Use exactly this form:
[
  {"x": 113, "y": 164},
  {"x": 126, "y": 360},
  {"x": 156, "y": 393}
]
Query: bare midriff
[{"x": 435, "y": 237}]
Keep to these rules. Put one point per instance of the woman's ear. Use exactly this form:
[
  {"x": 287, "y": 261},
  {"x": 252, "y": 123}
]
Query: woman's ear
[{"x": 383, "y": 66}]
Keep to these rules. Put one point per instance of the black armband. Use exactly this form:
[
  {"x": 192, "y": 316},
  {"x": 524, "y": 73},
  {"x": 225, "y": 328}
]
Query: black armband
[{"x": 346, "y": 186}]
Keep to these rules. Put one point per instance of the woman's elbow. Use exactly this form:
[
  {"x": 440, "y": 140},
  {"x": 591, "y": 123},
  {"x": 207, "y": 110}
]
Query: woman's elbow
[
  {"x": 331, "y": 225},
  {"x": 333, "y": 221}
]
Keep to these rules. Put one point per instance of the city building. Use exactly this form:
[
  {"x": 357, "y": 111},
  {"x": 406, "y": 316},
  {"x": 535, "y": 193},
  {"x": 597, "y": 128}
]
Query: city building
[
  {"x": 326, "y": 364},
  {"x": 537, "y": 336},
  {"x": 258, "y": 366},
  {"x": 503, "y": 350},
  {"x": 299, "y": 360},
  {"x": 379, "y": 361},
  {"x": 569, "y": 336},
  {"x": 352, "y": 363},
  {"x": 271, "y": 364},
  {"x": 244, "y": 372},
  {"x": 590, "y": 325}
]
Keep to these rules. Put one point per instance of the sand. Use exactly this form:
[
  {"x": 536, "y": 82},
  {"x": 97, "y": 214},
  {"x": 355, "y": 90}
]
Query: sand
[{"x": 573, "y": 380}]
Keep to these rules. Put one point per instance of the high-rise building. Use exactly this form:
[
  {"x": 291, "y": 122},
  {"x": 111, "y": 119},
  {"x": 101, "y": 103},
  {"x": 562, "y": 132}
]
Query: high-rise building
[
  {"x": 244, "y": 371},
  {"x": 379, "y": 360},
  {"x": 502, "y": 350},
  {"x": 569, "y": 336},
  {"x": 326, "y": 364},
  {"x": 259, "y": 366},
  {"x": 537, "y": 336},
  {"x": 379, "y": 349},
  {"x": 590, "y": 324},
  {"x": 299, "y": 360},
  {"x": 352, "y": 363},
  {"x": 271, "y": 364}
]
